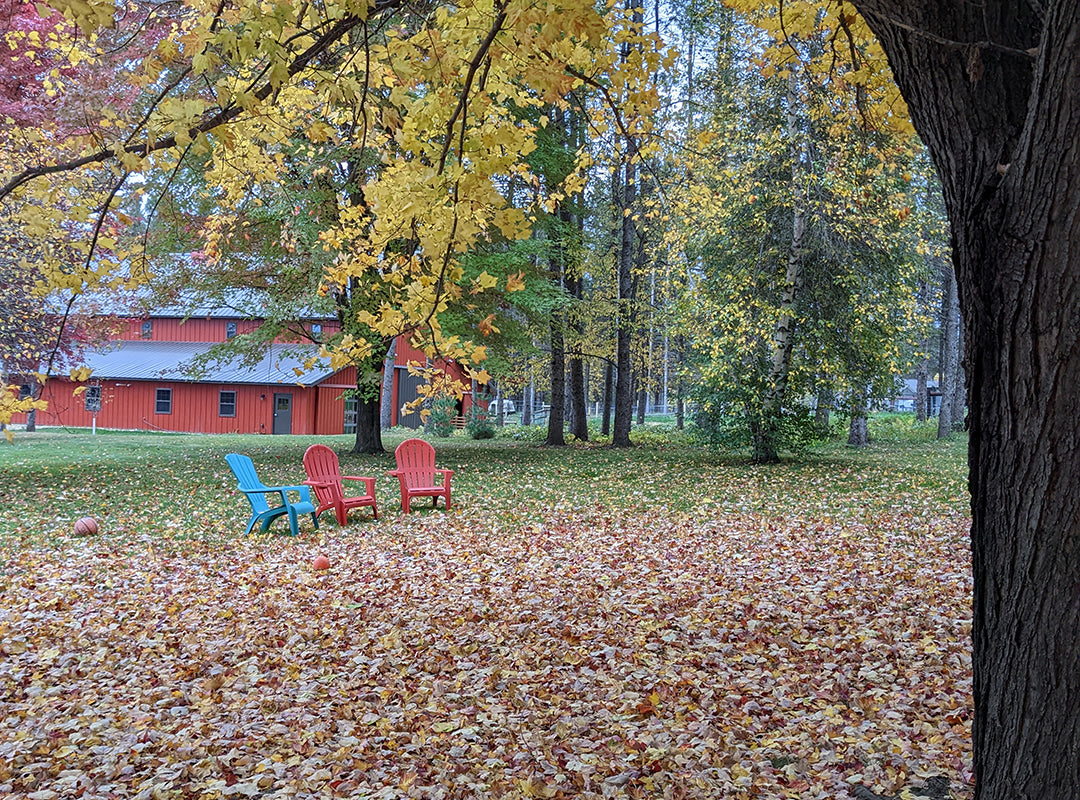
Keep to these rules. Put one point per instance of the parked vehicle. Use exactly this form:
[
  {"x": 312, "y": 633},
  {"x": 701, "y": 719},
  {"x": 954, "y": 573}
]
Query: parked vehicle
[{"x": 508, "y": 407}]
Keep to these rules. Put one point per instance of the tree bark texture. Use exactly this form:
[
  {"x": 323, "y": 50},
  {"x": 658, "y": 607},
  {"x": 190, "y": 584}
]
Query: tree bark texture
[
  {"x": 527, "y": 395},
  {"x": 624, "y": 322},
  {"x": 386, "y": 402},
  {"x": 1000, "y": 116},
  {"x": 824, "y": 405},
  {"x": 556, "y": 419},
  {"x": 766, "y": 438},
  {"x": 950, "y": 351},
  {"x": 680, "y": 403},
  {"x": 558, "y": 259},
  {"x": 609, "y": 381},
  {"x": 858, "y": 434},
  {"x": 368, "y": 429},
  {"x": 579, "y": 419},
  {"x": 959, "y": 389},
  {"x": 922, "y": 367}
]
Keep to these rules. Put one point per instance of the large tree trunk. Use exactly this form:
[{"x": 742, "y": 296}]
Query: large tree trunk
[
  {"x": 579, "y": 427},
  {"x": 624, "y": 398},
  {"x": 858, "y": 434},
  {"x": 368, "y": 429},
  {"x": 579, "y": 419},
  {"x": 767, "y": 435},
  {"x": 1000, "y": 116},
  {"x": 369, "y": 404},
  {"x": 556, "y": 420},
  {"x": 824, "y": 405},
  {"x": 527, "y": 396},
  {"x": 609, "y": 381}
]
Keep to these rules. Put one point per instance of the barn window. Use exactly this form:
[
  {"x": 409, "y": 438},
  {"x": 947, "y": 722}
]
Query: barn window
[
  {"x": 163, "y": 401},
  {"x": 147, "y": 329},
  {"x": 226, "y": 404},
  {"x": 92, "y": 398},
  {"x": 350, "y": 415},
  {"x": 230, "y": 332}
]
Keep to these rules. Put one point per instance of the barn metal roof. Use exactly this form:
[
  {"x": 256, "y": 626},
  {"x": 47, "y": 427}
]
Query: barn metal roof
[{"x": 150, "y": 361}]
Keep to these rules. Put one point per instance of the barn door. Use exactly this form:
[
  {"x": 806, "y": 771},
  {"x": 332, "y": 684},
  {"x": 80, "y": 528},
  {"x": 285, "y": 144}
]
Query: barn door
[
  {"x": 407, "y": 392},
  {"x": 282, "y": 412}
]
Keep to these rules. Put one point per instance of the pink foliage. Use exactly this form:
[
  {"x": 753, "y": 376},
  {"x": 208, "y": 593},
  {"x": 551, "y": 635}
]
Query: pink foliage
[
  {"x": 22, "y": 75},
  {"x": 84, "y": 90}
]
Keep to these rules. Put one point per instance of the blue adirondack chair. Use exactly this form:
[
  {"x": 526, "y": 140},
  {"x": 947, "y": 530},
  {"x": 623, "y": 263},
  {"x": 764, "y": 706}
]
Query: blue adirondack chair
[{"x": 255, "y": 490}]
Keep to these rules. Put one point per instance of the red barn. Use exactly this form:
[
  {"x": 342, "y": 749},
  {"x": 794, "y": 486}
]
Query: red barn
[{"x": 142, "y": 382}]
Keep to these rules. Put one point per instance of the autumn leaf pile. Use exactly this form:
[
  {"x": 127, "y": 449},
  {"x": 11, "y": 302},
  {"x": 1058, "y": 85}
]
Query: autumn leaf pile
[{"x": 560, "y": 644}]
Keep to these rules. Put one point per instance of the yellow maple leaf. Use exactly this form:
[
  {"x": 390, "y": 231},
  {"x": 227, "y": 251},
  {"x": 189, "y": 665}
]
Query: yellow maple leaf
[{"x": 515, "y": 283}]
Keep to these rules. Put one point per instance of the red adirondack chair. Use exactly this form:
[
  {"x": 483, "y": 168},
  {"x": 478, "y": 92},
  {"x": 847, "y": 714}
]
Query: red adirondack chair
[
  {"x": 416, "y": 470},
  {"x": 324, "y": 476}
]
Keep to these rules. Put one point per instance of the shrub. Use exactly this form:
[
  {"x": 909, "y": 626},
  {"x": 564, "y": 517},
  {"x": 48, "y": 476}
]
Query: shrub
[
  {"x": 479, "y": 425},
  {"x": 443, "y": 411},
  {"x": 725, "y": 420}
]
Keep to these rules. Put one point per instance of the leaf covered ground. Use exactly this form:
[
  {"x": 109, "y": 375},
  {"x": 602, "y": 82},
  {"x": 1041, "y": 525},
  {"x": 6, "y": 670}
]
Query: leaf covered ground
[{"x": 584, "y": 623}]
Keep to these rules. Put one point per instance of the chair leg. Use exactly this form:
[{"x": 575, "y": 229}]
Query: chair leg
[
  {"x": 448, "y": 498},
  {"x": 294, "y": 525},
  {"x": 339, "y": 512},
  {"x": 315, "y": 519},
  {"x": 251, "y": 524}
]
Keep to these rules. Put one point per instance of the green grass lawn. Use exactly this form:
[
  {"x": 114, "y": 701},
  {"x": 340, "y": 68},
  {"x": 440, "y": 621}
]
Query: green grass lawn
[{"x": 663, "y": 621}]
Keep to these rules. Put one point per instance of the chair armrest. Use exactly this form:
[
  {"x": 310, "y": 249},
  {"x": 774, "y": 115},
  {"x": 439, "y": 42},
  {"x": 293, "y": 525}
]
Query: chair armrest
[
  {"x": 370, "y": 482},
  {"x": 305, "y": 492},
  {"x": 315, "y": 484},
  {"x": 446, "y": 472}
]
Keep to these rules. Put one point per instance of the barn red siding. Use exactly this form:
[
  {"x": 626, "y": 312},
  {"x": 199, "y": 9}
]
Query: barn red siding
[
  {"x": 330, "y": 412},
  {"x": 130, "y": 405},
  {"x": 201, "y": 329},
  {"x": 171, "y": 329}
]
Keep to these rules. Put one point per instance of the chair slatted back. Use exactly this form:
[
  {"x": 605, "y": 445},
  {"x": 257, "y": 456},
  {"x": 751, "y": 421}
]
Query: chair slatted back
[
  {"x": 247, "y": 481},
  {"x": 321, "y": 464},
  {"x": 416, "y": 459}
]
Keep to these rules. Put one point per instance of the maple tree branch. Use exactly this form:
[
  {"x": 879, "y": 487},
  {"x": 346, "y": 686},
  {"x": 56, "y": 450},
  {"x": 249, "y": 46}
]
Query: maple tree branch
[
  {"x": 463, "y": 100},
  {"x": 952, "y": 44},
  {"x": 222, "y": 117}
]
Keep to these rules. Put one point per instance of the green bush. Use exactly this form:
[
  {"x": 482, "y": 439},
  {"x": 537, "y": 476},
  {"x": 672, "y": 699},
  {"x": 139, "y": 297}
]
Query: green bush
[
  {"x": 900, "y": 427},
  {"x": 524, "y": 433},
  {"x": 479, "y": 425},
  {"x": 443, "y": 411},
  {"x": 724, "y": 420}
]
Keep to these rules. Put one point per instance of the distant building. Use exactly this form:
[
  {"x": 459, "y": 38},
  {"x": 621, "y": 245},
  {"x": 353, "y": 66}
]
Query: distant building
[
  {"x": 906, "y": 401},
  {"x": 140, "y": 381}
]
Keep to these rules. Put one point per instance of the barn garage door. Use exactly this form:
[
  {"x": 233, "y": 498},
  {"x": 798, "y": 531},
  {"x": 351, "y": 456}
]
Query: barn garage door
[{"x": 407, "y": 386}]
